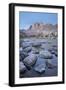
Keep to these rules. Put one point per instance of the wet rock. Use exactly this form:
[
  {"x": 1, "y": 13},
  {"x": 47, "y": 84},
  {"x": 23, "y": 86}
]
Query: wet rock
[
  {"x": 35, "y": 51},
  {"x": 20, "y": 49},
  {"x": 45, "y": 54},
  {"x": 40, "y": 68},
  {"x": 50, "y": 49},
  {"x": 55, "y": 49},
  {"x": 54, "y": 45},
  {"x": 23, "y": 55},
  {"x": 40, "y": 65},
  {"x": 54, "y": 52},
  {"x": 25, "y": 45},
  {"x": 30, "y": 60},
  {"x": 43, "y": 46},
  {"x": 36, "y": 44},
  {"x": 22, "y": 67},
  {"x": 27, "y": 49},
  {"x": 51, "y": 63}
]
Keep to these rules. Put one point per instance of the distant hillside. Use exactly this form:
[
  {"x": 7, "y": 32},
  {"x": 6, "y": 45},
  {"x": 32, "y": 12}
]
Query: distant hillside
[{"x": 40, "y": 30}]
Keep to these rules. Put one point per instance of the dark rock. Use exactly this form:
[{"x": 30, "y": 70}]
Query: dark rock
[
  {"x": 54, "y": 52},
  {"x": 27, "y": 49},
  {"x": 45, "y": 54},
  {"x": 35, "y": 51},
  {"x": 22, "y": 67},
  {"x": 20, "y": 49},
  {"x": 23, "y": 55},
  {"x": 36, "y": 44},
  {"x": 51, "y": 63},
  {"x": 43, "y": 46},
  {"x": 25, "y": 45},
  {"x": 40, "y": 68},
  {"x": 40, "y": 65},
  {"x": 30, "y": 60}
]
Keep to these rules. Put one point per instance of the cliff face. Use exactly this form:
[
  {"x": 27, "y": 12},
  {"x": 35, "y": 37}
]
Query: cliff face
[
  {"x": 41, "y": 26},
  {"x": 40, "y": 30}
]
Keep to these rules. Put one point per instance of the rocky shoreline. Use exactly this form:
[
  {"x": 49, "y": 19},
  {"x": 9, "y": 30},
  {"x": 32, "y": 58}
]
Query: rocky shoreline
[{"x": 38, "y": 58}]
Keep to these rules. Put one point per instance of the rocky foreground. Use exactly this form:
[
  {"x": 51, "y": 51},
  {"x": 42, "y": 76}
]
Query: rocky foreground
[{"x": 38, "y": 57}]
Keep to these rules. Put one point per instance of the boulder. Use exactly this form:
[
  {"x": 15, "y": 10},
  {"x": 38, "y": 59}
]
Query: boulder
[
  {"x": 35, "y": 51},
  {"x": 23, "y": 55},
  {"x": 51, "y": 63},
  {"x": 26, "y": 44},
  {"x": 45, "y": 54},
  {"x": 30, "y": 60},
  {"x": 55, "y": 48},
  {"x": 20, "y": 49},
  {"x": 54, "y": 52},
  {"x": 36, "y": 44},
  {"x": 43, "y": 46},
  {"x": 40, "y": 65},
  {"x": 27, "y": 49},
  {"x": 22, "y": 67},
  {"x": 40, "y": 68}
]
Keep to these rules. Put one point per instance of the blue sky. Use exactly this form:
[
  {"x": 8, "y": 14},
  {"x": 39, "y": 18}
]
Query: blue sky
[{"x": 28, "y": 18}]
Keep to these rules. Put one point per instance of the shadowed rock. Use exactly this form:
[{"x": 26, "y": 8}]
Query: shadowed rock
[
  {"x": 27, "y": 49},
  {"x": 23, "y": 55},
  {"x": 45, "y": 54},
  {"x": 35, "y": 51},
  {"x": 36, "y": 44},
  {"x": 30, "y": 60},
  {"x": 40, "y": 68},
  {"x": 22, "y": 67},
  {"x": 25, "y": 45},
  {"x": 51, "y": 64}
]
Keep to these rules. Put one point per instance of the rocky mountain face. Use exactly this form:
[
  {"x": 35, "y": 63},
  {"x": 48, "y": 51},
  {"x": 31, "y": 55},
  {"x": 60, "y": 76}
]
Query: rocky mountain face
[
  {"x": 40, "y": 30},
  {"x": 42, "y": 26}
]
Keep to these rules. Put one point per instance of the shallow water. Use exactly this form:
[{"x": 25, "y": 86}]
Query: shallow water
[{"x": 49, "y": 44}]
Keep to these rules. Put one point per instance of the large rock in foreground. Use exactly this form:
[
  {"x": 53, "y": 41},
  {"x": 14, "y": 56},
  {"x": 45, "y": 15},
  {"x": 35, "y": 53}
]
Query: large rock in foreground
[
  {"x": 25, "y": 45},
  {"x": 51, "y": 63},
  {"x": 40, "y": 68},
  {"x": 45, "y": 54},
  {"x": 27, "y": 49},
  {"x": 30, "y": 60},
  {"x": 22, "y": 67},
  {"x": 23, "y": 55}
]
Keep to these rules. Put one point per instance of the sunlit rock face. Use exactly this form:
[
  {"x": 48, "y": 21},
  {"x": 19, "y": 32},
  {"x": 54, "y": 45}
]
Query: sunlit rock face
[
  {"x": 40, "y": 30},
  {"x": 42, "y": 26}
]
